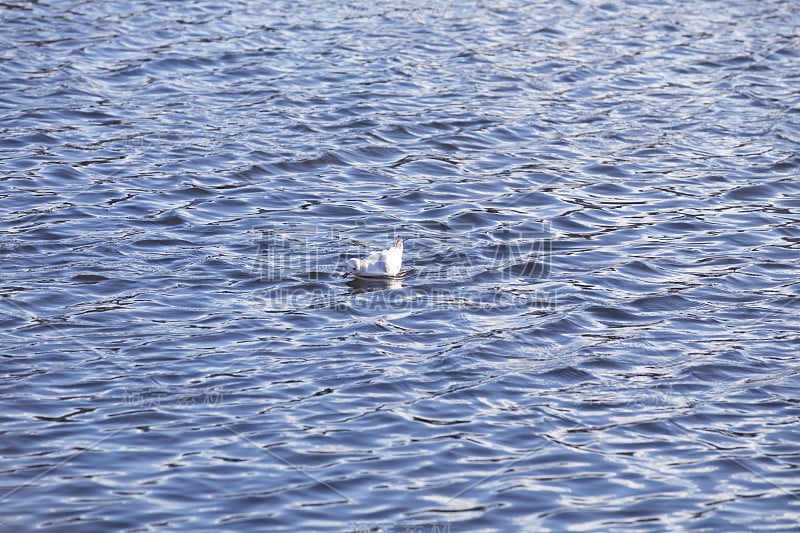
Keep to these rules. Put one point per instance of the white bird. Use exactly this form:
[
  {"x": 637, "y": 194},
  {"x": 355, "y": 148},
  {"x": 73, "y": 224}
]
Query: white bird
[{"x": 385, "y": 263}]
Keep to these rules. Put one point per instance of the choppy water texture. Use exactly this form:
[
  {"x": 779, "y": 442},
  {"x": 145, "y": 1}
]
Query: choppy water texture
[{"x": 599, "y": 326}]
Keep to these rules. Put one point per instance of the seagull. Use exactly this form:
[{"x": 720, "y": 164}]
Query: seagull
[{"x": 385, "y": 263}]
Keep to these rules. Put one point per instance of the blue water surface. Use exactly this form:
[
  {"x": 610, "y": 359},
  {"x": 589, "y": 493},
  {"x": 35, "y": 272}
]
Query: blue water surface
[{"x": 597, "y": 329}]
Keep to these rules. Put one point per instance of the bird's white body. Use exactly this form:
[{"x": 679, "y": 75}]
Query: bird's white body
[{"x": 385, "y": 263}]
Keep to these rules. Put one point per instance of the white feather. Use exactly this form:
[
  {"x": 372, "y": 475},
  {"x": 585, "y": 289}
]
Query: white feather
[{"x": 378, "y": 264}]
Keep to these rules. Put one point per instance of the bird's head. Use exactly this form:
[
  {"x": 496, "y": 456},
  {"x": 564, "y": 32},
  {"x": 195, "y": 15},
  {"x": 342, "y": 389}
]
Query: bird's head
[{"x": 352, "y": 266}]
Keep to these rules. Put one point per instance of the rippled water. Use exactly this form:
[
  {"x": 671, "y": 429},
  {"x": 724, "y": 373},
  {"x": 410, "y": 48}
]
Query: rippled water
[{"x": 598, "y": 329}]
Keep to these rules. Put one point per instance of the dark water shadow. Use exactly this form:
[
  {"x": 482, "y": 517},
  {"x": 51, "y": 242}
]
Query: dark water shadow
[{"x": 359, "y": 284}]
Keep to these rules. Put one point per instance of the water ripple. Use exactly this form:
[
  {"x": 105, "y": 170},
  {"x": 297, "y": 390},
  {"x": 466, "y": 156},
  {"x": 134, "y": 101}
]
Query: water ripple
[{"x": 596, "y": 329}]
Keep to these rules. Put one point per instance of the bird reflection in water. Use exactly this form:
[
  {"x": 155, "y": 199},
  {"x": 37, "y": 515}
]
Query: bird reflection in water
[{"x": 359, "y": 285}]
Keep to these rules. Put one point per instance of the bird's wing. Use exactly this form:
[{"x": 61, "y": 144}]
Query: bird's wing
[{"x": 373, "y": 264}]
